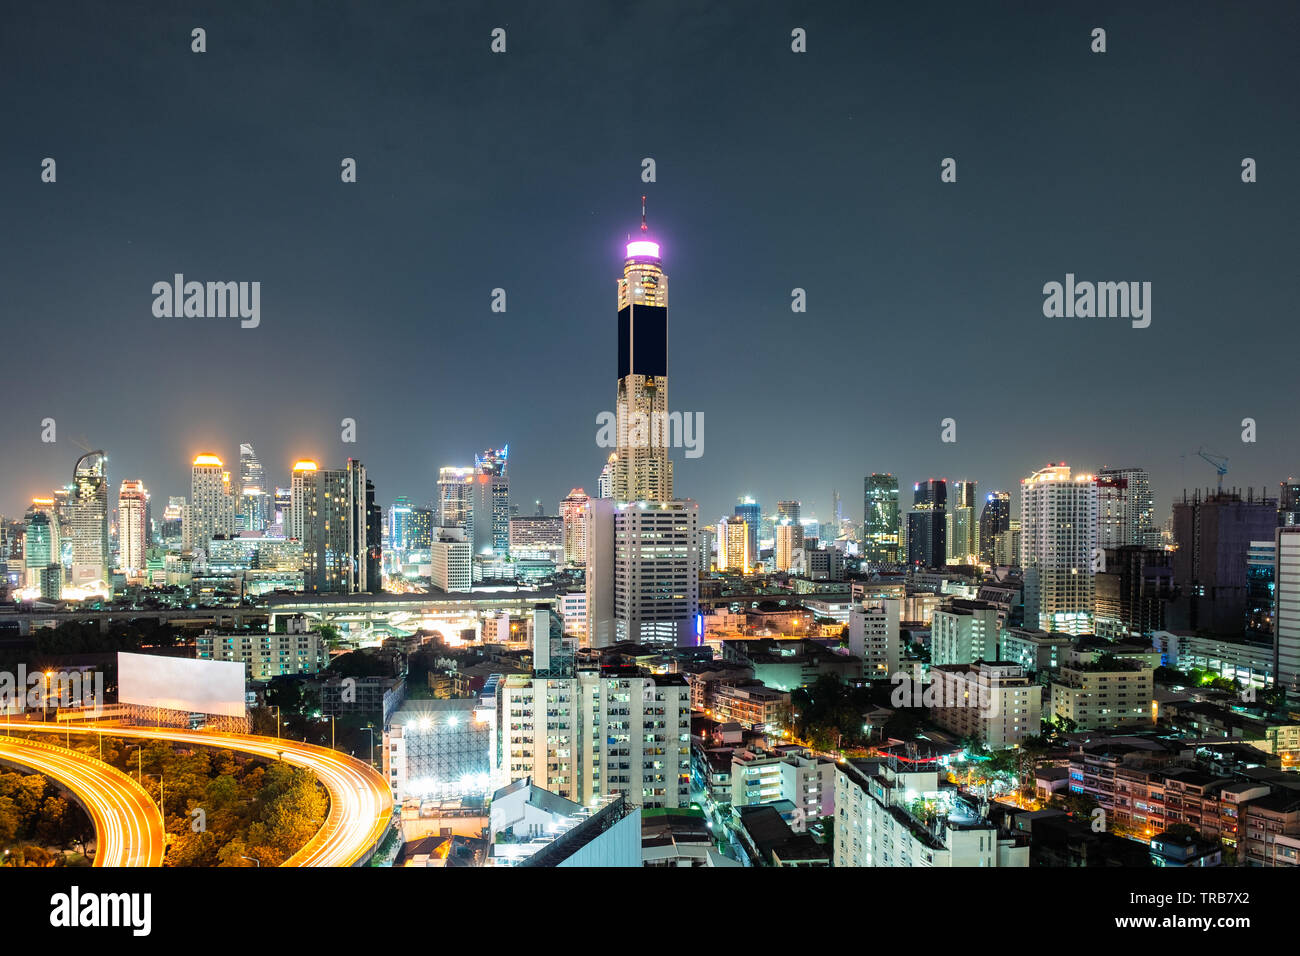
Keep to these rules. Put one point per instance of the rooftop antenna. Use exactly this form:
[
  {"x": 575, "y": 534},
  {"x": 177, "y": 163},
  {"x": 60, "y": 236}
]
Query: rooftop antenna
[{"x": 643, "y": 225}]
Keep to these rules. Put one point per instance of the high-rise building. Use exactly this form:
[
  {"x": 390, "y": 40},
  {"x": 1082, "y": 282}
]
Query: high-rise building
[
  {"x": 282, "y": 516},
  {"x": 49, "y": 507},
  {"x": 880, "y": 519},
  {"x": 451, "y": 560},
  {"x": 643, "y": 561},
  {"x": 538, "y": 536},
  {"x": 751, "y": 511},
  {"x": 789, "y": 542},
  {"x": 299, "y": 502},
  {"x": 455, "y": 498},
  {"x": 251, "y": 473},
  {"x": 733, "y": 545},
  {"x": 1288, "y": 503},
  {"x": 489, "y": 526},
  {"x": 605, "y": 481},
  {"x": 573, "y": 510},
  {"x": 132, "y": 533},
  {"x": 994, "y": 520},
  {"x": 961, "y": 529},
  {"x": 399, "y": 524},
  {"x": 927, "y": 526},
  {"x": 1212, "y": 536},
  {"x": 38, "y": 544},
  {"x": 211, "y": 508},
  {"x": 88, "y": 513},
  {"x": 339, "y": 515},
  {"x": 1134, "y": 585},
  {"x": 642, "y": 468},
  {"x": 1125, "y": 509},
  {"x": 1286, "y": 616},
  {"x": 1058, "y": 543},
  {"x": 787, "y": 512}
]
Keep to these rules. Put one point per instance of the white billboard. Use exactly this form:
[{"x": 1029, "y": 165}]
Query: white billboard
[{"x": 179, "y": 683}]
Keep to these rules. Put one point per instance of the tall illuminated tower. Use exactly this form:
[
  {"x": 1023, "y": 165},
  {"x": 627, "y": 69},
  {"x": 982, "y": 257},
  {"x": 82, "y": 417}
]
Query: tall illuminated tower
[
  {"x": 89, "y": 518},
  {"x": 642, "y": 470},
  {"x": 211, "y": 508},
  {"x": 132, "y": 527},
  {"x": 299, "y": 494}
]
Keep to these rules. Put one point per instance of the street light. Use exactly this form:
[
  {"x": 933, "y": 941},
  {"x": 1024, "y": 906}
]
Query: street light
[
  {"x": 253, "y": 858},
  {"x": 371, "y": 755}
]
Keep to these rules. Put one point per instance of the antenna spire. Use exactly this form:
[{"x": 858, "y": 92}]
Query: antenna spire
[{"x": 643, "y": 225}]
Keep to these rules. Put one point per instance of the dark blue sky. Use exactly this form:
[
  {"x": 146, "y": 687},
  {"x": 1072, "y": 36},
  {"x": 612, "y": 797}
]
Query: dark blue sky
[{"x": 775, "y": 170}]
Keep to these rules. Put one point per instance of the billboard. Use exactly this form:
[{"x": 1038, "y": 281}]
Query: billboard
[{"x": 179, "y": 683}]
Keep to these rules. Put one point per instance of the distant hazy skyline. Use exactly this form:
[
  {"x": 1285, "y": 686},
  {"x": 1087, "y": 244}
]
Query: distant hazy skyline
[{"x": 775, "y": 171}]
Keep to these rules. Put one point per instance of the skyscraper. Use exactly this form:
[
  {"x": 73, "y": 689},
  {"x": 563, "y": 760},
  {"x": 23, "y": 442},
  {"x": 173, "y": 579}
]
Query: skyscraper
[
  {"x": 605, "y": 482},
  {"x": 789, "y": 542},
  {"x": 211, "y": 508},
  {"x": 573, "y": 509},
  {"x": 88, "y": 511},
  {"x": 490, "y": 501},
  {"x": 642, "y": 469},
  {"x": 880, "y": 544},
  {"x": 455, "y": 498},
  {"x": 1125, "y": 509},
  {"x": 132, "y": 533},
  {"x": 38, "y": 544},
  {"x": 1058, "y": 544},
  {"x": 751, "y": 512},
  {"x": 643, "y": 572},
  {"x": 961, "y": 529},
  {"x": 399, "y": 524},
  {"x": 339, "y": 521},
  {"x": 733, "y": 545},
  {"x": 927, "y": 531},
  {"x": 299, "y": 501},
  {"x": 1286, "y": 617},
  {"x": 251, "y": 474},
  {"x": 994, "y": 520}
]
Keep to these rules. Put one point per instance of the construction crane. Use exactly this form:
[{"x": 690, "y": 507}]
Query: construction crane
[{"x": 1219, "y": 462}]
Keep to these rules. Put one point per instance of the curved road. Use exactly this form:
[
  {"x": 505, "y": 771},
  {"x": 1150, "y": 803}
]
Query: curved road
[
  {"x": 128, "y": 827},
  {"x": 361, "y": 803}
]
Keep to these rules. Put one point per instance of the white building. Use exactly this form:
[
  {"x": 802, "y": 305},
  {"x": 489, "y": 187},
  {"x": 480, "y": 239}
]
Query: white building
[
  {"x": 964, "y": 632},
  {"x": 573, "y": 610},
  {"x": 266, "y": 654},
  {"x": 589, "y": 736},
  {"x": 1095, "y": 698},
  {"x": 643, "y": 563},
  {"x": 211, "y": 508},
  {"x": 132, "y": 528},
  {"x": 874, "y": 638},
  {"x": 1286, "y": 611},
  {"x": 450, "y": 560},
  {"x": 887, "y": 813},
  {"x": 1058, "y": 543},
  {"x": 994, "y": 702}
]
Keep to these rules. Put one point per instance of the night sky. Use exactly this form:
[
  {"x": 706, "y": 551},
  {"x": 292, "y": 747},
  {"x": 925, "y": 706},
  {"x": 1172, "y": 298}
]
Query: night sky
[{"x": 774, "y": 171}]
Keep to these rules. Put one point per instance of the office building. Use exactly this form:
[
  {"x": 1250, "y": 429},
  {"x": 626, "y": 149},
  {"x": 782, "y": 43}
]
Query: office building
[
  {"x": 642, "y": 573},
  {"x": 489, "y": 521},
  {"x": 1134, "y": 586},
  {"x": 880, "y": 525},
  {"x": 605, "y": 481},
  {"x": 1058, "y": 515},
  {"x": 995, "y": 519},
  {"x": 88, "y": 519},
  {"x": 451, "y": 560},
  {"x": 455, "y": 498},
  {"x": 927, "y": 525}
]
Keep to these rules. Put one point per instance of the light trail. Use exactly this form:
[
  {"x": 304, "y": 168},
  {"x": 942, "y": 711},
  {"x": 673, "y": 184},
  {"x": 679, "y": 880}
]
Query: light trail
[
  {"x": 128, "y": 827},
  {"x": 360, "y": 801}
]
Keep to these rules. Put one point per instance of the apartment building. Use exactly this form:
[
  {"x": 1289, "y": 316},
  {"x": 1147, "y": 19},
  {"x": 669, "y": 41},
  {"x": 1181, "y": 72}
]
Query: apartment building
[
  {"x": 995, "y": 702},
  {"x": 266, "y": 655},
  {"x": 1098, "y": 695}
]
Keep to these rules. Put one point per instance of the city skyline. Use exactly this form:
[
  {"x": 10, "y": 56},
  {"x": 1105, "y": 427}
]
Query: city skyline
[{"x": 893, "y": 246}]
